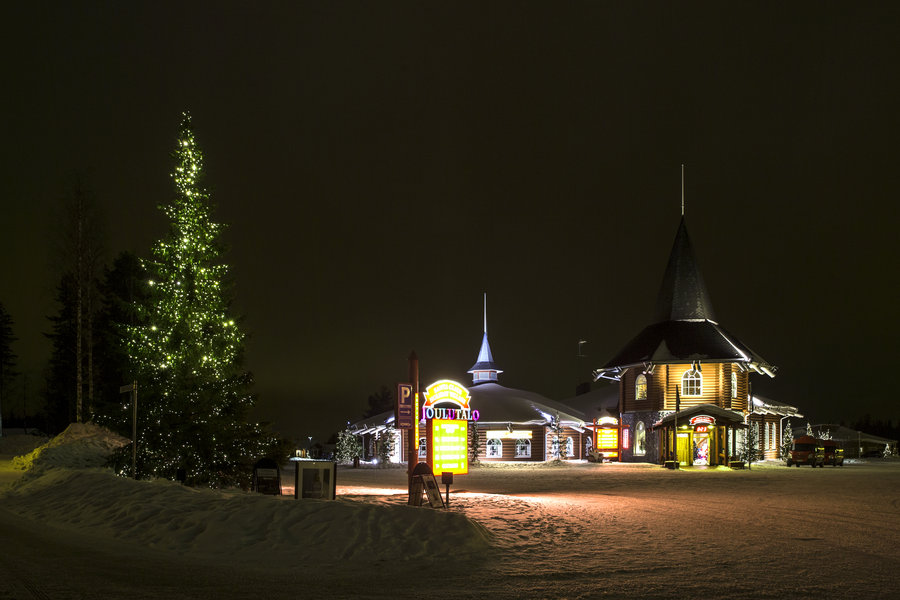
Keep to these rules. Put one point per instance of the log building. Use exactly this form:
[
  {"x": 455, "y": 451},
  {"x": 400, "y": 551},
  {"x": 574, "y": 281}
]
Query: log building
[{"x": 684, "y": 381}]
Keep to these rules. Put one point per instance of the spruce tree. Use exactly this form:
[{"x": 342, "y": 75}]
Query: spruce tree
[
  {"x": 787, "y": 440},
  {"x": 7, "y": 357},
  {"x": 188, "y": 349}
]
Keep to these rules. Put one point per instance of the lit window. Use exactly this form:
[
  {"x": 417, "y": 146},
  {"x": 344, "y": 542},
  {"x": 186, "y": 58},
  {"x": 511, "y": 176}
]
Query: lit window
[
  {"x": 494, "y": 448},
  {"x": 640, "y": 439},
  {"x": 570, "y": 447},
  {"x": 423, "y": 447},
  {"x": 766, "y": 438},
  {"x": 523, "y": 448},
  {"x": 691, "y": 383},
  {"x": 640, "y": 387},
  {"x": 734, "y": 389}
]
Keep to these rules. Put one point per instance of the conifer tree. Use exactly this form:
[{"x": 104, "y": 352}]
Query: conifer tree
[
  {"x": 348, "y": 447},
  {"x": 787, "y": 440},
  {"x": 7, "y": 357},
  {"x": 188, "y": 348}
]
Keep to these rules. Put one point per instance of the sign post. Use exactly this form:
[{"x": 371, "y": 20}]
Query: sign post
[{"x": 412, "y": 446}]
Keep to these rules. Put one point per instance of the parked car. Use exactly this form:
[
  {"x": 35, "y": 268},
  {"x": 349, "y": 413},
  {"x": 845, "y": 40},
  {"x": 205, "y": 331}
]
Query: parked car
[
  {"x": 807, "y": 450},
  {"x": 834, "y": 454}
]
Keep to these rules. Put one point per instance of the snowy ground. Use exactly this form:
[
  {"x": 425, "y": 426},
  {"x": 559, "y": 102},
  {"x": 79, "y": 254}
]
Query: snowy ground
[{"x": 576, "y": 531}]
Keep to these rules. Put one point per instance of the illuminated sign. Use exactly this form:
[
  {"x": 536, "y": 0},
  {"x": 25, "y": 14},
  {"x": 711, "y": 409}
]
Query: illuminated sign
[
  {"x": 450, "y": 440},
  {"x": 700, "y": 429},
  {"x": 447, "y": 391},
  {"x": 405, "y": 415},
  {"x": 607, "y": 421},
  {"x": 515, "y": 434},
  {"x": 703, "y": 420},
  {"x": 607, "y": 439}
]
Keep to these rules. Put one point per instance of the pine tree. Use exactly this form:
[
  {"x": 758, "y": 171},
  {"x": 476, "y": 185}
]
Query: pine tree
[
  {"x": 385, "y": 446},
  {"x": 122, "y": 290},
  {"x": 348, "y": 447},
  {"x": 787, "y": 440},
  {"x": 7, "y": 357},
  {"x": 59, "y": 397},
  {"x": 188, "y": 348}
]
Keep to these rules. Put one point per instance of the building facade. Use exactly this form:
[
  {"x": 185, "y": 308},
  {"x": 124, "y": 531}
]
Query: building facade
[{"x": 684, "y": 381}]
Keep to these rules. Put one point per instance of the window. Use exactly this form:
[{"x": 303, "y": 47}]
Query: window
[
  {"x": 423, "y": 447},
  {"x": 494, "y": 448},
  {"x": 766, "y": 438},
  {"x": 570, "y": 448},
  {"x": 691, "y": 383},
  {"x": 640, "y": 387},
  {"x": 734, "y": 389},
  {"x": 640, "y": 439},
  {"x": 523, "y": 448}
]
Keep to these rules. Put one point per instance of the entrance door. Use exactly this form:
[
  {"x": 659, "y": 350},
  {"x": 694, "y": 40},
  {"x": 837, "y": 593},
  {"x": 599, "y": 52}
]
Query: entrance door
[
  {"x": 684, "y": 448},
  {"x": 701, "y": 448}
]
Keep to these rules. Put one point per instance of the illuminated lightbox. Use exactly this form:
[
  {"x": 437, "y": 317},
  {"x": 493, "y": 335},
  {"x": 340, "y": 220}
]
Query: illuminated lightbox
[
  {"x": 607, "y": 439},
  {"x": 450, "y": 440}
]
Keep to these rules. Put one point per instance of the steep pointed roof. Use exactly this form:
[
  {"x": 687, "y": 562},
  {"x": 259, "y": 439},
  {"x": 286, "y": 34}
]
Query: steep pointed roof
[
  {"x": 485, "y": 360},
  {"x": 682, "y": 295},
  {"x": 684, "y": 328}
]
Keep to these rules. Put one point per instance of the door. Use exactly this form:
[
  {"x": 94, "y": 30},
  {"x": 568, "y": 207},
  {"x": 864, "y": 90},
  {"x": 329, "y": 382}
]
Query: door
[
  {"x": 701, "y": 448},
  {"x": 684, "y": 448}
]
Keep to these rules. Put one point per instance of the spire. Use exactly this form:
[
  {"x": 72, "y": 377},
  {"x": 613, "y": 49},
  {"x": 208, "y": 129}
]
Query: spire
[
  {"x": 683, "y": 295},
  {"x": 484, "y": 370}
]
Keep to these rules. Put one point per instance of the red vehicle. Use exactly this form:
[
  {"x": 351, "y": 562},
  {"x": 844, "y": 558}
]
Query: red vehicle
[
  {"x": 834, "y": 454},
  {"x": 806, "y": 450}
]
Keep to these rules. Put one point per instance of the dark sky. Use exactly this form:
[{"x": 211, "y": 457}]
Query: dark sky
[{"x": 382, "y": 164}]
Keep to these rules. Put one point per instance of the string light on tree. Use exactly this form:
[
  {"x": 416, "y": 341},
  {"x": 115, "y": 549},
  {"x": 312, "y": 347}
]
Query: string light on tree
[{"x": 190, "y": 354}]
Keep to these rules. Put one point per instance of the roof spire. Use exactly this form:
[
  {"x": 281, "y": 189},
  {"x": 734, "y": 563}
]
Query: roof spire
[
  {"x": 484, "y": 370},
  {"x": 682, "y": 189}
]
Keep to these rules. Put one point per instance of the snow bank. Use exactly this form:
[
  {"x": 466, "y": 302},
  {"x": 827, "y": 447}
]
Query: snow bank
[
  {"x": 80, "y": 446},
  {"x": 65, "y": 486}
]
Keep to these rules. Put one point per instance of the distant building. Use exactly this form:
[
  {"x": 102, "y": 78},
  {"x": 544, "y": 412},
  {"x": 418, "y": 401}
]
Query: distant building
[
  {"x": 514, "y": 425},
  {"x": 684, "y": 381},
  {"x": 856, "y": 444}
]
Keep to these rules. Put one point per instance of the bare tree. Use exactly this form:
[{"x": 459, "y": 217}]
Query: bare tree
[{"x": 80, "y": 248}]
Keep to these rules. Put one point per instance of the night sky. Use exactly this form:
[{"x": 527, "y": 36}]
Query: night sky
[{"x": 383, "y": 164}]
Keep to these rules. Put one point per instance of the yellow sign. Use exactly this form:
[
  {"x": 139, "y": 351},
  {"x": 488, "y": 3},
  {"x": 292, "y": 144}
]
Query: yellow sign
[
  {"x": 446, "y": 391},
  {"x": 607, "y": 439},
  {"x": 450, "y": 441}
]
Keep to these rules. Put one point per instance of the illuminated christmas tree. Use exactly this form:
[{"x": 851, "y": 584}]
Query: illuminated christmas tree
[{"x": 193, "y": 397}]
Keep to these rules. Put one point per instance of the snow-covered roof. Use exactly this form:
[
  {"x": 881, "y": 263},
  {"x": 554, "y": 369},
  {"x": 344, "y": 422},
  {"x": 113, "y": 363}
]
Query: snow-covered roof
[
  {"x": 844, "y": 434},
  {"x": 723, "y": 416},
  {"x": 499, "y": 404},
  {"x": 766, "y": 406},
  {"x": 604, "y": 398},
  {"x": 496, "y": 404}
]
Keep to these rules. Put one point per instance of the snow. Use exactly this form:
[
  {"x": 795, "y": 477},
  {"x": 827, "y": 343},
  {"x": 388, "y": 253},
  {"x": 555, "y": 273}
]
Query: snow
[{"x": 579, "y": 530}]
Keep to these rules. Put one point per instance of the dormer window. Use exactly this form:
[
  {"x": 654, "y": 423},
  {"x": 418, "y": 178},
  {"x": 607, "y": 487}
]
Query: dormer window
[
  {"x": 734, "y": 385},
  {"x": 640, "y": 387},
  {"x": 691, "y": 383}
]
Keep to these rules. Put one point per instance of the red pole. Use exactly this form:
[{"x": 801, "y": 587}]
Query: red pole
[{"x": 413, "y": 443}]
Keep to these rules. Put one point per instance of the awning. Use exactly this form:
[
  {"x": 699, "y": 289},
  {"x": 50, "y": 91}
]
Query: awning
[{"x": 719, "y": 416}]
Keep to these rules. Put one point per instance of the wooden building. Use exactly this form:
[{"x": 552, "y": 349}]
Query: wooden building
[
  {"x": 684, "y": 381},
  {"x": 513, "y": 425}
]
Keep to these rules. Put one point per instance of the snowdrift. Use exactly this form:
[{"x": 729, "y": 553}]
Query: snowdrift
[{"x": 65, "y": 485}]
